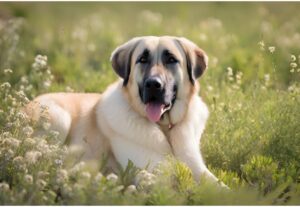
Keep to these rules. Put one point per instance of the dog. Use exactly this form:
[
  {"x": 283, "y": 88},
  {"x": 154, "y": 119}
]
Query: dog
[{"x": 153, "y": 110}]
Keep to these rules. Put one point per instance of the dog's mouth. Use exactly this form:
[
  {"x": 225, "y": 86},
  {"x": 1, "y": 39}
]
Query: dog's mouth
[
  {"x": 155, "y": 111},
  {"x": 157, "y": 102}
]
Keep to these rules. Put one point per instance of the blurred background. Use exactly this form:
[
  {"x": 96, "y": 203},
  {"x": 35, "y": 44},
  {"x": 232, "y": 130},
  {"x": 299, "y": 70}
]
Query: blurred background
[{"x": 78, "y": 38}]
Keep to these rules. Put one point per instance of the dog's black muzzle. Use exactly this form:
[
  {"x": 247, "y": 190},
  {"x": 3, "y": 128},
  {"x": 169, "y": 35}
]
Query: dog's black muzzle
[{"x": 153, "y": 90}]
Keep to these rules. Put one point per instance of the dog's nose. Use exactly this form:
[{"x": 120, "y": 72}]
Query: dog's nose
[
  {"x": 153, "y": 84},
  {"x": 153, "y": 90}
]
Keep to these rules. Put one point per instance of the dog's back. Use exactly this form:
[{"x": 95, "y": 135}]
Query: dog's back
[{"x": 73, "y": 116}]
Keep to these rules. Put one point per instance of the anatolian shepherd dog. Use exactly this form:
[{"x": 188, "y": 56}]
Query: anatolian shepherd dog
[{"x": 154, "y": 109}]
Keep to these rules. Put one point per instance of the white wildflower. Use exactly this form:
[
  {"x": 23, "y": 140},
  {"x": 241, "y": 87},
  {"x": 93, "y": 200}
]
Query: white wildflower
[
  {"x": 28, "y": 179},
  {"x": 98, "y": 177},
  {"x": 42, "y": 174},
  {"x": 272, "y": 49},
  {"x": 210, "y": 88},
  {"x": 6, "y": 134},
  {"x": 47, "y": 84},
  {"x": 69, "y": 89},
  {"x": 4, "y": 187},
  {"x": 230, "y": 78},
  {"x": 293, "y": 65},
  {"x": 9, "y": 154},
  {"x": 29, "y": 88},
  {"x": 118, "y": 188},
  {"x": 55, "y": 147},
  {"x": 41, "y": 184},
  {"x": 145, "y": 178},
  {"x": 77, "y": 187},
  {"x": 261, "y": 45},
  {"x": 267, "y": 77},
  {"x": 40, "y": 62},
  {"x": 29, "y": 142},
  {"x": 48, "y": 72},
  {"x": 32, "y": 156},
  {"x": 112, "y": 177},
  {"x": 85, "y": 175},
  {"x": 11, "y": 142},
  {"x": 43, "y": 147},
  {"x": 9, "y": 124},
  {"x": 5, "y": 85},
  {"x": 292, "y": 70},
  {"x": 239, "y": 106},
  {"x": 236, "y": 86},
  {"x": 22, "y": 96},
  {"x": 28, "y": 131},
  {"x": 66, "y": 190},
  {"x": 59, "y": 162},
  {"x": 8, "y": 71},
  {"x": 229, "y": 71},
  {"x": 46, "y": 125},
  {"x": 22, "y": 116},
  {"x": 24, "y": 80},
  {"x": 19, "y": 160},
  {"x": 221, "y": 106},
  {"x": 77, "y": 168},
  {"x": 131, "y": 189},
  {"x": 54, "y": 134},
  {"x": 293, "y": 58},
  {"x": 203, "y": 37},
  {"x": 291, "y": 88},
  {"x": 239, "y": 75},
  {"x": 61, "y": 176}
]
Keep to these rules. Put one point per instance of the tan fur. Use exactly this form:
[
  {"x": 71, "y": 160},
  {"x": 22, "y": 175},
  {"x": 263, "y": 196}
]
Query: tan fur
[{"x": 115, "y": 122}]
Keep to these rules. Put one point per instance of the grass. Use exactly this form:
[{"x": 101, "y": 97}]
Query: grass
[{"x": 252, "y": 138}]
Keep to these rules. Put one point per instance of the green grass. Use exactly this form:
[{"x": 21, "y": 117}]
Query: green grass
[{"x": 252, "y": 138}]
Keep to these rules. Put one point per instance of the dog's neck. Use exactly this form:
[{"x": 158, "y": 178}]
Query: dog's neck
[{"x": 166, "y": 122}]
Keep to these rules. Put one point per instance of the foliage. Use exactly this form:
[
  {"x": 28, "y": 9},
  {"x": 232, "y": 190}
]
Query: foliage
[{"x": 252, "y": 138}]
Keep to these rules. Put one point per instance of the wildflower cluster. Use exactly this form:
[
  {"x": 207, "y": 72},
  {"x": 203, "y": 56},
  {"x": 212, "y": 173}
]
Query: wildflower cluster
[
  {"x": 267, "y": 82},
  {"x": 145, "y": 179},
  {"x": 41, "y": 74},
  {"x": 235, "y": 80},
  {"x": 27, "y": 159},
  {"x": 294, "y": 67}
]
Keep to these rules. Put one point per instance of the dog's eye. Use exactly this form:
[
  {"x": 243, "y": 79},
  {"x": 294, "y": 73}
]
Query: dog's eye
[
  {"x": 171, "y": 60},
  {"x": 142, "y": 60}
]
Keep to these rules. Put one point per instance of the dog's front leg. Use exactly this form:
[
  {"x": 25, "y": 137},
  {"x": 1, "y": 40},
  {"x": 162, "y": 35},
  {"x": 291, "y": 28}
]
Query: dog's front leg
[{"x": 185, "y": 147}]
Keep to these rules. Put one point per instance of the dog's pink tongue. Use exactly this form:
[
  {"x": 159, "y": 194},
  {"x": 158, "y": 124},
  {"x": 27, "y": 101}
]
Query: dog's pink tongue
[{"x": 154, "y": 111}]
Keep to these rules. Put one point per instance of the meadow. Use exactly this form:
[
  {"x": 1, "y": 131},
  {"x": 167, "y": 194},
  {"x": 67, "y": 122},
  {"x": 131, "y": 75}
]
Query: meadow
[{"x": 252, "y": 88}]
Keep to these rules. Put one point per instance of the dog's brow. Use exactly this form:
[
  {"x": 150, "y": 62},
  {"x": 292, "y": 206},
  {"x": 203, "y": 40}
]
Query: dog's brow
[
  {"x": 167, "y": 52},
  {"x": 145, "y": 52}
]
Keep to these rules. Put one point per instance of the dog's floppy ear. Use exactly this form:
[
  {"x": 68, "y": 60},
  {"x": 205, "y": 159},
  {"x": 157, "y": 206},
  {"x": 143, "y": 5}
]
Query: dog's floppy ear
[
  {"x": 121, "y": 58},
  {"x": 196, "y": 58}
]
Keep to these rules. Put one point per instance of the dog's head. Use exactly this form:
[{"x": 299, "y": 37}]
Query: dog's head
[{"x": 159, "y": 74}]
